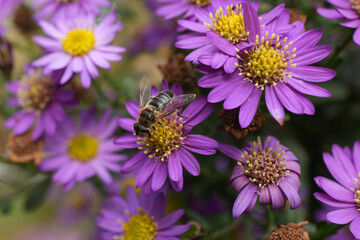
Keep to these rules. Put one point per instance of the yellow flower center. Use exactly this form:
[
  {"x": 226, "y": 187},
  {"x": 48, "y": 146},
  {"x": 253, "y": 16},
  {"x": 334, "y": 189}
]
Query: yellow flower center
[
  {"x": 36, "y": 91},
  {"x": 165, "y": 139},
  {"x": 201, "y": 3},
  {"x": 83, "y": 147},
  {"x": 357, "y": 191},
  {"x": 355, "y": 5},
  {"x": 79, "y": 42},
  {"x": 264, "y": 166},
  {"x": 140, "y": 227},
  {"x": 267, "y": 62},
  {"x": 230, "y": 25}
]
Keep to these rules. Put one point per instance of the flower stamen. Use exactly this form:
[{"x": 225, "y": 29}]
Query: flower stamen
[
  {"x": 83, "y": 147},
  {"x": 165, "y": 138},
  {"x": 36, "y": 92},
  {"x": 267, "y": 62},
  {"x": 140, "y": 227},
  {"x": 79, "y": 42},
  {"x": 230, "y": 25},
  {"x": 357, "y": 192},
  {"x": 201, "y": 3},
  {"x": 264, "y": 165}
]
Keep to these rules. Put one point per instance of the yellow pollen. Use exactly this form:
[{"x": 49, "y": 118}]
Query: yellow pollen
[
  {"x": 267, "y": 62},
  {"x": 140, "y": 227},
  {"x": 357, "y": 192},
  {"x": 263, "y": 166},
  {"x": 79, "y": 42},
  {"x": 201, "y": 3},
  {"x": 165, "y": 139},
  {"x": 36, "y": 91},
  {"x": 355, "y": 5},
  {"x": 230, "y": 25},
  {"x": 83, "y": 147}
]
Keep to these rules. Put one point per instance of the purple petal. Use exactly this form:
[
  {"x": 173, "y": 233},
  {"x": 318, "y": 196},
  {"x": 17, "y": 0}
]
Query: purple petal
[
  {"x": 230, "y": 151},
  {"x": 145, "y": 172},
  {"x": 134, "y": 162},
  {"x": 251, "y": 20},
  {"x": 127, "y": 141},
  {"x": 170, "y": 219},
  {"x": 278, "y": 199},
  {"x": 244, "y": 198},
  {"x": 126, "y": 123},
  {"x": 274, "y": 106},
  {"x": 248, "y": 109},
  {"x": 189, "y": 162},
  {"x": 174, "y": 167},
  {"x": 354, "y": 227},
  {"x": 291, "y": 193},
  {"x": 159, "y": 176},
  {"x": 343, "y": 216},
  {"x": 332, "y": 202},
  {"x": 222, "y": 43},
  {"x": 313, "y": 73}
]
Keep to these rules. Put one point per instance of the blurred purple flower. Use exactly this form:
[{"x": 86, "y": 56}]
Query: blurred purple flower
[
  {"x": 42, "y": 102},
  {"x": 345, "y": 9},
  {"x": 165, "y": 153},
  {"x": 268, "y": 170},
  {"x": 185, "y": 8},
  {"x": 78, "y": 46},
  {"x": 344, "y": 166},
  {"x": 139, "y": 218},
  {"x": 7, "y": 8},
  {"x": 67, "y": 9},
  {"x": 223, "y": 26},
  {"x": 83, "y": 150},
  {"x": 274, "y": 64}
]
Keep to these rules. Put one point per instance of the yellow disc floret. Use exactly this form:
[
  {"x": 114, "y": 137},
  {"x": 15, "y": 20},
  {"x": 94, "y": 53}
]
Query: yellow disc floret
[
  {"x": 230, "y": 25},
  {"x": 140, "y": 227},
  {"x": 357, "y": 192},
  {"x": 79, "y": 42},
  {"x": 37, "y": 91},
  {"x": 267, "y": 62},
  {"x": 83, "y": 147},
  {"x": 165, "y": 138},
  {"x": 201, "y": 3}
]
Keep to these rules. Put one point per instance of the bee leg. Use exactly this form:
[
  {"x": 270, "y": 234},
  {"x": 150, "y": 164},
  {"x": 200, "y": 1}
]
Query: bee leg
[
  {"x": 155, "y": 131},
  {"x": 162, "y": 127}
]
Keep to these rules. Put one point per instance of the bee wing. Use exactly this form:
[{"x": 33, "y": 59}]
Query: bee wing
[
  {"x": 179, "y": 101},
  {"x": 145, "y": 91}
]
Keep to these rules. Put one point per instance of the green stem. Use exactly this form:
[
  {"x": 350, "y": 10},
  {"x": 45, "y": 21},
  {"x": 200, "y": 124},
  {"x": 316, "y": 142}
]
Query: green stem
[
  {"x": 221, "y": 232},
  {"x": 102, "y": 96},
  {"x": 270, "y": 219},
  {"x": 338, "y": 50}
]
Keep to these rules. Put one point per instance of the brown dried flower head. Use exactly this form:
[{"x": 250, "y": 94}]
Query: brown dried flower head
[
  {"x": 232, "y": 126},
  {"x": 176, "y": 70},
  {"x": 295, "y": 15},
  {"x": 22, "y": 150},
  {"x": 23, "y": 19},
  {"x": 291, "y": 231}
]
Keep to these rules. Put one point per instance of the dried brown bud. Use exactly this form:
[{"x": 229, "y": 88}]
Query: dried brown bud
[
  {"x": 176, "y": 70},
  {"x": 6, "y": 56},
  {"x": 291, "y": 231},
  {"x": 22, "y": 150},
  {"x": 295, "y": 15},
  {"x": 232, "y": 126},
  {"x": 23, "y": 19}
]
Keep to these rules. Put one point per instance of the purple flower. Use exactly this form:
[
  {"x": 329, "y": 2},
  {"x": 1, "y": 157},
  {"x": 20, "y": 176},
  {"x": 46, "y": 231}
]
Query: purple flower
[
  {"x": 268, "y": 170},
  {"x": 78, "y": 46},
  {"x": 344, "y": 196},
  {"x": 7, "y": 8},
  {"x": 224, "y": 26},
  {"x": 42, "y": 103},
  {"x": 345, "y": 9},
  {"x": 275, "y": 64},
  {"x": 139, "y": 218},
  {"x": 176, "y": 8},
  {"x": 165, "y": 152},
  {"x": 83, "y": 150},
  {"x": 67, "y": 9}
]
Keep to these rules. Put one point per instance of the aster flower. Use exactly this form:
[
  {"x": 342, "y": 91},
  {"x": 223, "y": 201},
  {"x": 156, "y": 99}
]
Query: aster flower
[
  {"x": 175, "y": 8},
  {"x": 78, "y": 46},
  {"x": 224, "y": 26},
  {"x": 268, "y": 170},
  {"x": 7, "y": 8},
  {"x": 42, "y": 103},
  {"x": 139, "y": 218},
  {"x": 67, "y": 9},
  {"x": 344, "y": 193},
  {"x": 167, "y": 150},
  {"x": 345, "y": 9},
  {"x": 82, "y": 150},
  {"x": 274, "y": 64}
]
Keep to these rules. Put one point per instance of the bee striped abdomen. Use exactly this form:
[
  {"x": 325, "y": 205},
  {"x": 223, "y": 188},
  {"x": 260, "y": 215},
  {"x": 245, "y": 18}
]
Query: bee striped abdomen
[{"x": 160, "y": 101}]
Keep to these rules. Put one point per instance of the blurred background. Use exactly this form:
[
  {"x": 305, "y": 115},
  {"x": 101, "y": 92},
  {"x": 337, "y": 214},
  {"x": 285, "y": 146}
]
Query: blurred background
[{"x": 34, "y": 208}]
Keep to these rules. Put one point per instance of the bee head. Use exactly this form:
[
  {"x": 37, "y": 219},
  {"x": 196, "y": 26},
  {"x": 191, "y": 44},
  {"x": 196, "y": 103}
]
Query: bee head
[{"x": 141, "y": 131}]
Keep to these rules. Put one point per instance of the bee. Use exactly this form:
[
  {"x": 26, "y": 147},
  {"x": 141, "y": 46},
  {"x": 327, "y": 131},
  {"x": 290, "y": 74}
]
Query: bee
[{"x": 153, "y": 109}]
